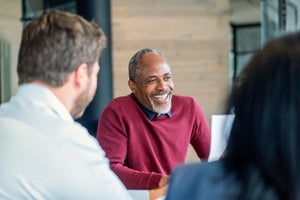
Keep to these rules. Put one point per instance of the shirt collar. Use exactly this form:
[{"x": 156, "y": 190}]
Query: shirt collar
[
  {"x": 43, "y": 96},
  {"x": 151, "y": 114}
]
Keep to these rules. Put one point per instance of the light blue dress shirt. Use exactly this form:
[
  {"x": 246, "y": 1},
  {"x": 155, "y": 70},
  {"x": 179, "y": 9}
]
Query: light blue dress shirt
[{"x": 45, "y": 154}]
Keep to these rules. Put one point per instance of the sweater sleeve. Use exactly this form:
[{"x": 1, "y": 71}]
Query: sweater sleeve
[
  {"x": 201, "y": 135},
  {"x": 113, "y": 138},
  {"x": 134, "y": 179}
]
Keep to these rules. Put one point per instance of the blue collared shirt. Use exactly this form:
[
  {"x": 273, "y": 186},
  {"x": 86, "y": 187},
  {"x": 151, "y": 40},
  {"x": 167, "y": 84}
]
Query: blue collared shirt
[{"x": 151, "y": 114}]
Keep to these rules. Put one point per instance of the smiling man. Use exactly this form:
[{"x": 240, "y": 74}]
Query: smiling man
[{"x": 147, "y": 133}]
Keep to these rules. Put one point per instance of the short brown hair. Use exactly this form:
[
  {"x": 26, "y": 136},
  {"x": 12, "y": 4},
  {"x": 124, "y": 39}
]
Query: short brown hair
[{"x": 54, "y": 44}]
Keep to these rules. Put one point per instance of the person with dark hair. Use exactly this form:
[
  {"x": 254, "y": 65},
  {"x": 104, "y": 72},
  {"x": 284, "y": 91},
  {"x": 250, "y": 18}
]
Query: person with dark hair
[
  {"x": 146, "y": 133},
  {"x": 262, "y": 157},
  {"x": 44, "y": 153}
]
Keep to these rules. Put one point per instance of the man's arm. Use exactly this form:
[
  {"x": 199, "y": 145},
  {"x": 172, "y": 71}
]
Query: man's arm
[
  {"x": 201, "y": 135},
  {"x": 134, "y": 179},
  {"x": 113, "y": 138}
]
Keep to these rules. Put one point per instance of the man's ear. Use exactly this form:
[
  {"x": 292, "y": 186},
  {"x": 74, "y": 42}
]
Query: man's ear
[
  {"x": 81, "y": 74},
  {"x": 132, "y": 86}
]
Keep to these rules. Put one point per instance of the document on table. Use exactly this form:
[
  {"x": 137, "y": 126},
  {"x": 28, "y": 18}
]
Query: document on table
[{"x": 220, "y": 130}]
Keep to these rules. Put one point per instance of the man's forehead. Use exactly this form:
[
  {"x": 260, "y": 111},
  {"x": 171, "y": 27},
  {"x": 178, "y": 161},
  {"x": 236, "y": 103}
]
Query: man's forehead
[
  {"x": 156, "y": 68},
  {"x": 150, "y": 58}
]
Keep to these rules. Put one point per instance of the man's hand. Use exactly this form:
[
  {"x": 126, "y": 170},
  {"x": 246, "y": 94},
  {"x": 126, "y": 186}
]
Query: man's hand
[{"x": 161, "y": 190}]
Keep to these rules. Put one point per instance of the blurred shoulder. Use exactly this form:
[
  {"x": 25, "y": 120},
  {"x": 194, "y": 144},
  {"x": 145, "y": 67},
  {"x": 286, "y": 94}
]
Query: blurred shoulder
[
  {"x": 208, "y": 180},
  {"x": 204, "y": 169}
]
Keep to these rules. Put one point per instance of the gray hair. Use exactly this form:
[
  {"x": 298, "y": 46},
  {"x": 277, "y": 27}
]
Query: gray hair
[{"x": 134, "y": 66}]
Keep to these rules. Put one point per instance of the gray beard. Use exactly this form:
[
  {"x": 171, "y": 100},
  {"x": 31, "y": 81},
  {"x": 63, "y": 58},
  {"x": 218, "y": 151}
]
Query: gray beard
[{"x": 163, "y": 110}]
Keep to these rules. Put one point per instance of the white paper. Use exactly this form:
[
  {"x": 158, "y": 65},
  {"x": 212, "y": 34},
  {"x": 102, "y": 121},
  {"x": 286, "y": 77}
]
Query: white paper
[{"x": 220, "y": 130}]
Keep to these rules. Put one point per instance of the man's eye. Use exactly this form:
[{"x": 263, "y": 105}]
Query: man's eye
[
  {"x": 151, "y": 81},
  {"x": 168, "y": 78}
]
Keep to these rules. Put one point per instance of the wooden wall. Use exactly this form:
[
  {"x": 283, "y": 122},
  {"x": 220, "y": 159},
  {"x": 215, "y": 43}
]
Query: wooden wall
[{"x": 194, "y": 35}]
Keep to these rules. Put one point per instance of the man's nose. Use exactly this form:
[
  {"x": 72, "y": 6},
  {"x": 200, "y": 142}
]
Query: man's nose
[{"x": 162, "y": 85}]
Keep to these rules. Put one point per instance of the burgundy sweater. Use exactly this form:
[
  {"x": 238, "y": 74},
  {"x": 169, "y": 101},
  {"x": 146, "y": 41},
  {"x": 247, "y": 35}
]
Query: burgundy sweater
[{"x": 142, "y": 150}]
